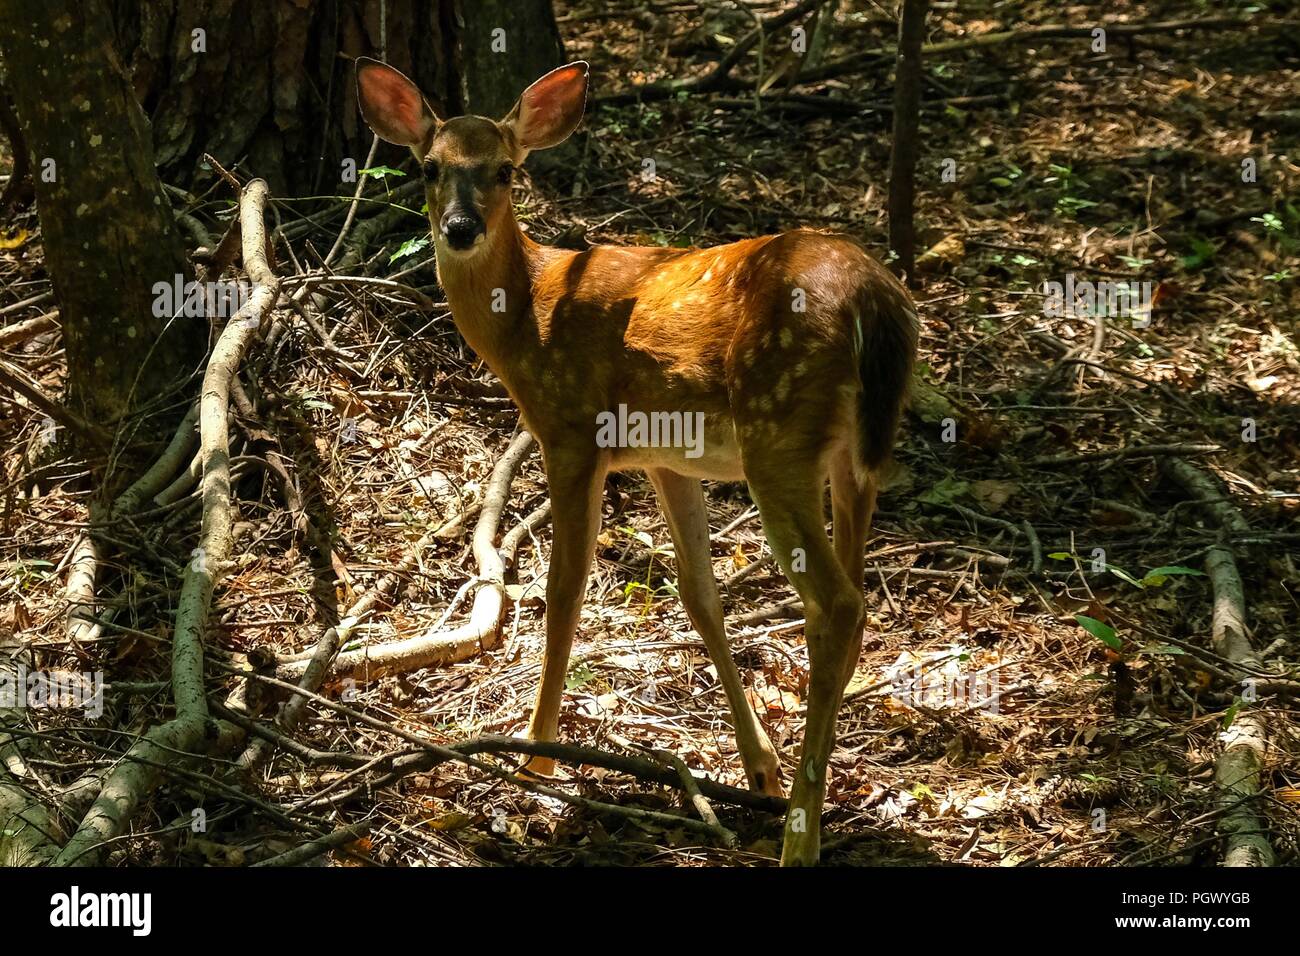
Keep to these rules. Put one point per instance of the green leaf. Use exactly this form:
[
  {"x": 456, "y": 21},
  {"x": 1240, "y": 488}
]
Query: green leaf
[
  {"x": 1202, "y": 252},
  {"x": 1123, "y": 575},
  {"x": 1231, "y": 714},
  {"x": 380, "y": 172},
  {"x": 1156, "y": 576},
  {"x": 641, "y": 536},
  {"x": 1061, "y": 556},
  {"x": 580, "y": 675},
  {"x": 1103, "y": 632},
  {"x": 943, "y": 492},
  {"x": 1162, "y": 649},
  {"x": 1069, "y": 205},
  {"x": 409, "y": 248},
  {"x": 1001, "y": 182}
]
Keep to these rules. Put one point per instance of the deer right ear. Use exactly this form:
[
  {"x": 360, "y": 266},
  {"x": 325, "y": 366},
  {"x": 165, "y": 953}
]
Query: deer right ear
[
  {"x": 551, "y": 109},
  {"x": 392, "y": 105}
]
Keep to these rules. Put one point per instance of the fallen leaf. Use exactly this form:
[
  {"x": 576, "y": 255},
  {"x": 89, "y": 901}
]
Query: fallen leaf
[
  {"x": 993, "y": 493},
  {"x": 15, "y": 241}
]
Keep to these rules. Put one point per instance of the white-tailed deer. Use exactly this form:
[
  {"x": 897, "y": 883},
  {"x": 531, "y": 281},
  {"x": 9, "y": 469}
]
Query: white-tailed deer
[{"x": 791, "y": 353}]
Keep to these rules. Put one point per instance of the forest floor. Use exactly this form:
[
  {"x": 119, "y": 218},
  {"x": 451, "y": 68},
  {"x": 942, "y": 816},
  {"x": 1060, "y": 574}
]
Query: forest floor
[{"x": 1031, "y": 738}]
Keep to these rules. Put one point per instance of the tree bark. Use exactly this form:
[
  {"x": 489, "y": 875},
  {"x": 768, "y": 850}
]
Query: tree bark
[
  {"x": 267, "y": 85},
  {"x": 503, "y": 46},
  {"x": 107, "y": 227},
  {"x": 18, "y": 192},
  {"x": 907, "y": 109}
]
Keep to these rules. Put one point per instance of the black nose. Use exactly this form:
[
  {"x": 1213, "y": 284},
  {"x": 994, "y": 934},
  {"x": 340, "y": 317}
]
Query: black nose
[{"x": 461, "y": 230}]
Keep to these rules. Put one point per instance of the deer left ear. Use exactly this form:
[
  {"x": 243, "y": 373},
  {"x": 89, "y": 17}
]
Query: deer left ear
[
  {"x": 551, "y": 109},
  {"x": 393, "y": 106}
]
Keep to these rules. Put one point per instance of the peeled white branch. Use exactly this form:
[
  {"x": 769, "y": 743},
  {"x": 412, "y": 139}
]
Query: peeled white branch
[
  {"x": 1238, "y": 769},
  {"x": 481, "y": 631},
  {"x": 172, "y": 459},
  {"x": 141, "y": 767}
]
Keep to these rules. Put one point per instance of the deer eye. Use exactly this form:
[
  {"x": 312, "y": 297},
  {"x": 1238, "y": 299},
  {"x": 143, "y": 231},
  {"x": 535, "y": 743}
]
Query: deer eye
[
  {"x": 430, "y": 170},
  {"x": 503, "y": 174}
]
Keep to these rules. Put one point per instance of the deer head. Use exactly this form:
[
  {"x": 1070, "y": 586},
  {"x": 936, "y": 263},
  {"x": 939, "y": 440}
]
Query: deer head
[{"x": 468, "y": 162}]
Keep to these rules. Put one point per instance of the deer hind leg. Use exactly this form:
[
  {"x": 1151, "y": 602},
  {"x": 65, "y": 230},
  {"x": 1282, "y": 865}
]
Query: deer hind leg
[
  {"x": 575, "y": 489},
  {"x": 853, "y": 502},
  {"x": 789, "y": 499},
  {"x": 682, "y": 500}
]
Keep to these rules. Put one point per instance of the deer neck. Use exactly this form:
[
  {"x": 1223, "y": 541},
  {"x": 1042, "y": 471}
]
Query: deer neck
[{"x": 490, "y": 293}]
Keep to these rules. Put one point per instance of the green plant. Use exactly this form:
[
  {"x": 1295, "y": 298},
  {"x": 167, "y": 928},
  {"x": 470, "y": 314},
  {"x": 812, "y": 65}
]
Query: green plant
[
  {"x": 409, "y": 248},
  {"x": 666, "y": 589},
  {"x": 380, "y": 172}
]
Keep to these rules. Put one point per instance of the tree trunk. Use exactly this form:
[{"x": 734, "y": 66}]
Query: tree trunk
[
  {"x": 107, "y": 227},
  {"x": 907, "y": 110},
  {"x": 267, "y": 85},
  {"x": 18, "y": 192}
]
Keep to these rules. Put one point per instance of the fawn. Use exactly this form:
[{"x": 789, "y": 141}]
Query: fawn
[{"x": 792, "y": 352}]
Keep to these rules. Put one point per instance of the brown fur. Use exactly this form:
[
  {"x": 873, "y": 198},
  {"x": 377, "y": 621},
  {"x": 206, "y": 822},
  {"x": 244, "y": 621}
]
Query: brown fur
[{"x": 797, "y": 349}]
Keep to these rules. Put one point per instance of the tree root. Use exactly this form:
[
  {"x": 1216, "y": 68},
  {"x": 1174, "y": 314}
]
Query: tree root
[
  {"x": 1239, "y": 768},
  {"x": 141, "y": 767},
  {"x": 480, "y": 632}
]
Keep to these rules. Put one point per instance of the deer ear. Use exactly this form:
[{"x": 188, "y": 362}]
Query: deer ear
[
  {"x": 392, "y": 105},
  {"x": 550, "y": 109}
]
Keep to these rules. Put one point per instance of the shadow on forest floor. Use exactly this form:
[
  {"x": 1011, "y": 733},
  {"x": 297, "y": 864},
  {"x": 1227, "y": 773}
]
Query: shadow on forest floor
[{"x": 988, "y": 727}]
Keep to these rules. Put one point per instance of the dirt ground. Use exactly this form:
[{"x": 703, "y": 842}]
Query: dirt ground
[{"x": 1029, "y": 739}]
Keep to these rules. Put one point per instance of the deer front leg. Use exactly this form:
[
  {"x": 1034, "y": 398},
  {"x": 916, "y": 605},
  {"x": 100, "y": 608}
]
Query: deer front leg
[
  {"x": 682, "y": 500},
  {"x": 575, "y": 482}
]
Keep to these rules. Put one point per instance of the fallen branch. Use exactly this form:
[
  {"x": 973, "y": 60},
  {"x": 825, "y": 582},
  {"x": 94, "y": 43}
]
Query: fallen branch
[
  {"x": 1238, "y": 769},
  {"x": 80, "y": 590},
  {"x": 352, "y": 209},
  {"x": 142, "y": 765},
  {"x": 691, "y": 786},
  {"x": 1204, "y": 491},
  {"x": 857, "y": 61},
  {"x": 173, "y": 458},
  {"x": 308, "y": 282},
  {"x": 1128, "y": 451},
  {"x": 17, "y": 380},
  {"x": 483, "y": 628},
  {"x": 12, "y": 335},
  {"x": 715, "y": 78},
  {"x": 314, "y": 848},
  {"x": 41, "y": 298},
  {"x": 494, "y": 744}
]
